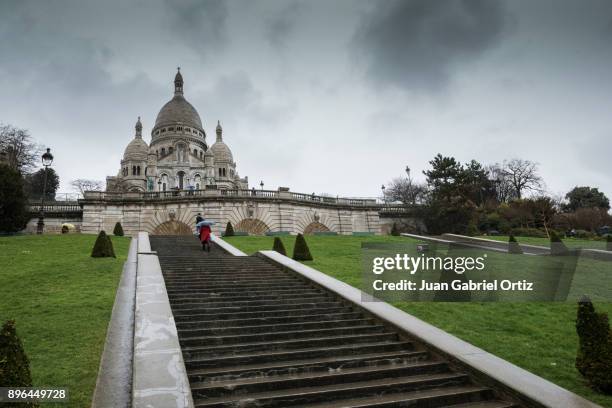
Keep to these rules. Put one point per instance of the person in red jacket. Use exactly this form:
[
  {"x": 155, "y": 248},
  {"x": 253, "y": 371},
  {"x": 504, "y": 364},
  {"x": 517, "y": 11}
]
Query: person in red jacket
[{"x": 205, "y": 232}]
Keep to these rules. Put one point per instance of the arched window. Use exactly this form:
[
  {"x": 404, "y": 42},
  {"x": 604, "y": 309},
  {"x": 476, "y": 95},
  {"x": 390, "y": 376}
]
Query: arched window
[
  {"x": 138, "y": 170},
  {"x": 201, "y": 154},
  {"x": 170, "y": 149},
  {"x": 220, "y": 172},
  {"x": 163, "y": 151},
  {"x": 163, "y": 186},
  {"x": 224, "y": 174},
  {"x": 133, "y": 170},
  {"x": 195, "y": 152}
]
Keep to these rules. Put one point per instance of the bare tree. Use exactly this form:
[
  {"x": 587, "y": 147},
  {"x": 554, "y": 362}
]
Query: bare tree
[
  {"x": 501, "y": 180},
  {"x": 21, "y": 152},
  {"x": 523, "y": 176},
  {"x": 83, "y": 185},
  {"x": 405, "y": 190}
]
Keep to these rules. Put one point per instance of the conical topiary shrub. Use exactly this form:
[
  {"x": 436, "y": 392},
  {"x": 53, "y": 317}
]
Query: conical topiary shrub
[
  {"x": 279, "y": 246},
  {"x": 118, "y": 230},
  {"x": 557, "y": 247},
  {"x": 103, "y": 246},
  {"x": 394, "y": 230},
  {"x": 594, "y": 359},
  {"x": 609, "y": 242},
  {"x": 14, "y": 364},
  {"x": 301, "y": 252},
  {"x": 513, "y": 246},
  {"x": 229, "y": 230},
  {"x": 472, "y": 230}
]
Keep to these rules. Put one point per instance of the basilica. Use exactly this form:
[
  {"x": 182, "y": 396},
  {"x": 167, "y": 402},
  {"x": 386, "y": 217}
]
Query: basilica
[{"x": 178, "y": 157}]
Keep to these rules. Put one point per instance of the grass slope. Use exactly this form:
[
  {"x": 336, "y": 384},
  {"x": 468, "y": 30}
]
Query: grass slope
[
  {"x": 539, "y": 337},
  {"x": 61, "y": 299}
]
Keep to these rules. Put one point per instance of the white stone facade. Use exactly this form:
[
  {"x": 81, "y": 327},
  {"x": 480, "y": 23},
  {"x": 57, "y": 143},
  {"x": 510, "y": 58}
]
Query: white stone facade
[
  {"x": 253, "y": 215},
  {"x": 178, "y": 157}
]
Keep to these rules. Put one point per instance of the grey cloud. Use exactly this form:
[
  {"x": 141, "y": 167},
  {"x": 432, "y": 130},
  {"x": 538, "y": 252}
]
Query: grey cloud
[
  {"x": 415, "y": 43},
  {"x": 281, "y": 24},
  {"x": 201, "y": 23}
]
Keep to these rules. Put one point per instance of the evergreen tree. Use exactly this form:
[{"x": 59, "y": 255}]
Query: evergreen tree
[
  {"x": 118, "y": 231},
  {"x": 301, "y": 252},
  {"x": 394, "y": 230},
  {"x": 513, "y": 246},
  {"x": 13, "y": 211},
  {"x": 279, "y": 246},
  {"x": 472, "y": 229},
  {"x": 594, "y": 359},
  {"x": 14, "y": 364},
  {"x": 35, "y": 183},
  {"x": 557, "y": 247},
  {"x": 229, "y": 230},
  {"x": 103, "y": 247}
]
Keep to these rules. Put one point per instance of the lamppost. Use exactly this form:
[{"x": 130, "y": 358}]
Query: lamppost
[
  {"x": 159, "y": 183},
  {"x": 47, "y": 159},
  {"x": 383, "y": 194},
  {"x": 261, "y": 184}
]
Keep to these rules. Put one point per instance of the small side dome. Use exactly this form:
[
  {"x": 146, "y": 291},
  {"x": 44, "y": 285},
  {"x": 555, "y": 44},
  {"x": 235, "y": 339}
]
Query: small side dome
[
  {"x": 137, "y": 149},
  {"x": 221, "y": 151}
]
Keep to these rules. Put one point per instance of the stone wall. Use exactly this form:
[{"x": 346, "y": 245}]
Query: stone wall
[
  {"x": 268, "y": 215},
  {"x": 54, "y": 225}
]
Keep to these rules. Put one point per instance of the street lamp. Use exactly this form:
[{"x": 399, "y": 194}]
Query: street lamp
[
  {"x": 261, "y": 184},
  {"x": 47, "y": 160},
  {"x": 383, "y": 194}
]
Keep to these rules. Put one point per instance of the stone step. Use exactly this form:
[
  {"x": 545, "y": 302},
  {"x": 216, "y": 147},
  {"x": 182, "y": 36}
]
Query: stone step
[
  {"x": 189, "y": 336},
  {"x": 435, "y": 398},
  {"x": 264, "y": 321},
  {"x": 233, "y": 275},
  {"x": 250, "y": 281},
  {"x": 485, "y": 404},
  {"x": 278, "y": 294},
  {"x": 241, "y": 285},
  {"x": 201, "y": 346},
  {"x": 179, "y": 304},
  {"x": 215, "y": 331},
  {"x": 264, "y": 308},
  {"x": 239, "y": 387},
  {"x": 443, "y": 389},
  {"x": 199, "y": 360},
  {"x": 319, "y": 364},
  {"x": 237, "y": 288},
  {"x": 299, "y": 312},
  {"x": 255, "y": 335}
]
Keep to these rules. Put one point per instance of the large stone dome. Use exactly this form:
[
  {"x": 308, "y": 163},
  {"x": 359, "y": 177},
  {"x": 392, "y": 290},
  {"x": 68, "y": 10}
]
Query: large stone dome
[{"x": 178, "y": 111}]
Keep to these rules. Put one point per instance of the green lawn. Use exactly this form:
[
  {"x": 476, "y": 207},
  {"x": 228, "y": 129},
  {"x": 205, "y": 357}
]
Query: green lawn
[
  {"x": 539, "y": 337},
  {"x": 61, "y": 300},
  {"x": 570, "y": 242}
]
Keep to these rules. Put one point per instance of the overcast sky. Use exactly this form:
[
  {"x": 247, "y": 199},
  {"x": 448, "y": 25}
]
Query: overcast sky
[{"x": 323, "y": 96}]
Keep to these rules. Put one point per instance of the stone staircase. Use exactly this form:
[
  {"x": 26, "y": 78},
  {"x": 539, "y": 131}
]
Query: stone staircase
[{"x": 254, "y": 335}]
